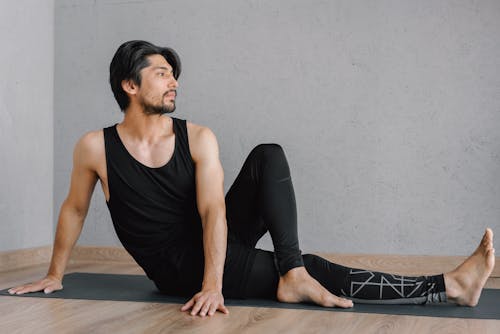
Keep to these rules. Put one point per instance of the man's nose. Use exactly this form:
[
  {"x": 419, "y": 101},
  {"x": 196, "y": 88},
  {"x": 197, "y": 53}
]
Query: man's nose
[{"x": 173, "y": 83}]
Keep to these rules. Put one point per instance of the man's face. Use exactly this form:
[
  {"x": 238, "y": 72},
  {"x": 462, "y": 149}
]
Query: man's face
[{"x": 158, "y": 87}]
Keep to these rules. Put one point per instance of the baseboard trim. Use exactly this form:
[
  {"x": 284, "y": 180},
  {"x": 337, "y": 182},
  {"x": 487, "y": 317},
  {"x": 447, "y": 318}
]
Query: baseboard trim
[
  {"x": 22, "y": 258},
  {"x": 398, "y": 264},
  {"x": 100, "y": 254},
  {"x": 16, "y": 259}
]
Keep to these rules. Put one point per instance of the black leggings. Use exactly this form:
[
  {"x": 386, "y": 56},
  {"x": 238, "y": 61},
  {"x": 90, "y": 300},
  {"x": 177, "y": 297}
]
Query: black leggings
[{"x": 262, "y": 199}]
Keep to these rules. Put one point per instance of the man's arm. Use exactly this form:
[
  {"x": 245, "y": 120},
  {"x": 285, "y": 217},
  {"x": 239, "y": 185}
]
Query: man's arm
[
  {"x": 72, "y": 214},
  {"x": 212, "y": 209}
]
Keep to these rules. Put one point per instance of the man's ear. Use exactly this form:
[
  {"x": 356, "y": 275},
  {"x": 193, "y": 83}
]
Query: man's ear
[{"x": 129, "y": 86}]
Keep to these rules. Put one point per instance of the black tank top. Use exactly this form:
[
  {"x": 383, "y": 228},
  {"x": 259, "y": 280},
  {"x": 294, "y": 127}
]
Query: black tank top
[{"x": 153, "y": 210}]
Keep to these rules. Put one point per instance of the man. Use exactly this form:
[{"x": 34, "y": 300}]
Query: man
[{"x": 163, "y": 184}]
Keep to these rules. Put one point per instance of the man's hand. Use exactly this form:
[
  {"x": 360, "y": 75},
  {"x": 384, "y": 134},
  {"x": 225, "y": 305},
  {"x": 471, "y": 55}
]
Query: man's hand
[
  {"x": 206, "y": 302},
  {"x": 47, "y": 284}
]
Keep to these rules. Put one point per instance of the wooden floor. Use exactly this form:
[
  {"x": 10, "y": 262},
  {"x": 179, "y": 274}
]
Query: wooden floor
[{"x": 38, "y": 315}]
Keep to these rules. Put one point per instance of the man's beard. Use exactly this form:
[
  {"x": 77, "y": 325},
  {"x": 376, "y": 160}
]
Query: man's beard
[{"x": 151, "y": 109}]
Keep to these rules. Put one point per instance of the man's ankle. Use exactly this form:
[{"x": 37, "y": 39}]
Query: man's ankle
[{"x": 295, "y": 273}]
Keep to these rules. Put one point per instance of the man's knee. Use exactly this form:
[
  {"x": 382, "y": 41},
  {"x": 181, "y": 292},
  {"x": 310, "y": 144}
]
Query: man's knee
[
  {"x": 268, "y": 151},
  {"x": 271, "y": 158}
]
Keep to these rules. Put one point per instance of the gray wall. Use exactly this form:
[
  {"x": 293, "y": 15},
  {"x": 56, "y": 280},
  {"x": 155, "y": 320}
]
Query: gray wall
[
  {"x": 389, "y": 111},
  {"x": 26, "y": 124}
]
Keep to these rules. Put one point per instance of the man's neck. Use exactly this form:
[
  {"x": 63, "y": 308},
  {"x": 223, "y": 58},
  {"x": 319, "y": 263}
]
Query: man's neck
[{"x": 143, "y": 127}]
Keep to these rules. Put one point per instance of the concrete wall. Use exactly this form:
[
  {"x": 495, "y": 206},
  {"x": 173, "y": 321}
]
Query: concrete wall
[
  {"x": 389, "y": 111},
  {"x": 26, "y": 124}
]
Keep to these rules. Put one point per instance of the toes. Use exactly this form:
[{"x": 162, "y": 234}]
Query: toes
[
  {"x": 347, "y": 303},
  {"x": 334, "y": 301},
  {"x": 488, "y": 235},
  {"x": 344, "y": 303},
  {"x": 489, "y": 231},
  {"x": 487, "y": 240}
]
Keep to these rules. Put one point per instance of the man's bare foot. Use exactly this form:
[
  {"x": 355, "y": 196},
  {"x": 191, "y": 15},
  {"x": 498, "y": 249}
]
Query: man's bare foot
[
  {"x": 298, "y": 286},
  {"x": 465, "y": 283}
]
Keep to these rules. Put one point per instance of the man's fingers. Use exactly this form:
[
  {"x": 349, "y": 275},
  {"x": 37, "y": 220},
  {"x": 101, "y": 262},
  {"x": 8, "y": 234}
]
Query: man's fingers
[
  {"x": 188, "y": 305},
  {"x": 223, "y": 309},
  {"x": 19, "y": 290},
  {"x": 47, "y": 285},
  {"x": 23, "y": 289},
  {"x": 203, "y": 304},
  {"x": 14, "y": 290},
  {"x": 213, "y": 309},
  {"x": 197, "y": 307},
  {"x": 205, "y": 309}
]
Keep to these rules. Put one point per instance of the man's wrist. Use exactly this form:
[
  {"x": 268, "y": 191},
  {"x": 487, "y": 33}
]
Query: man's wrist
[
  {"x": 211, "y": 285},
  {"x": 55, "y": 276}
]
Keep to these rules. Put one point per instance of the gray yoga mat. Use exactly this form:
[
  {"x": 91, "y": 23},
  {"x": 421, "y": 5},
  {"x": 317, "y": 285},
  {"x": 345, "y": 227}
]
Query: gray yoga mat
[{"x": 139, "y": 288}]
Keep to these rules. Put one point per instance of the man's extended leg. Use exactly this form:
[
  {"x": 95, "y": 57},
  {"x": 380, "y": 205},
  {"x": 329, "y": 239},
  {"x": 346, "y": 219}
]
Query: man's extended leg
[
  {"x": 359, "y": 285},
  {"x": 462, "y": 285}
]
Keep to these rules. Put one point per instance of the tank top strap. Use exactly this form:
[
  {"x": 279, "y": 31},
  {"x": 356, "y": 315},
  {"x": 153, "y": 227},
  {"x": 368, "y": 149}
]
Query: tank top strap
[
  {"x": 112, "y": 146},
  {"x": 182, "y": 142},
  {"x": 108, "y": 133}
]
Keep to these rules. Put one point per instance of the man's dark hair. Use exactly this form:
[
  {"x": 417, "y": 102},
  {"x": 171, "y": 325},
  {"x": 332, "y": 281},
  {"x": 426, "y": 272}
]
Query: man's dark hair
[{"x": 130, "y": 59}]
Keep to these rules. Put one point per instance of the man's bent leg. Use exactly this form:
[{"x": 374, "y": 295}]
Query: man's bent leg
[{"x": 262, "y": 199}]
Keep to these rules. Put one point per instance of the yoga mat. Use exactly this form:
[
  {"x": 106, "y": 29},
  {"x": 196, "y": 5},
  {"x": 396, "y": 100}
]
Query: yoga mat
[{"x": 139, "y": 288}]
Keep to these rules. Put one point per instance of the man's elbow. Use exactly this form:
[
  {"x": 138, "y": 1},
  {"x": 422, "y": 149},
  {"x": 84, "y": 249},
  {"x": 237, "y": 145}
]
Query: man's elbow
[
  {"x": 78, "y": 212},
  {"x": 213, "y": 214}
]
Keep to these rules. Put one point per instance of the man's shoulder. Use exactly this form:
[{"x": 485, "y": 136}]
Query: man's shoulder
[
  {"x": 92, "y": 139},
  {"x": 202, "y": 141},
  {"x": 90, "y": 146},
  {"x": 195, "y": 127},
  {"x": 199, "y": 132}
]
